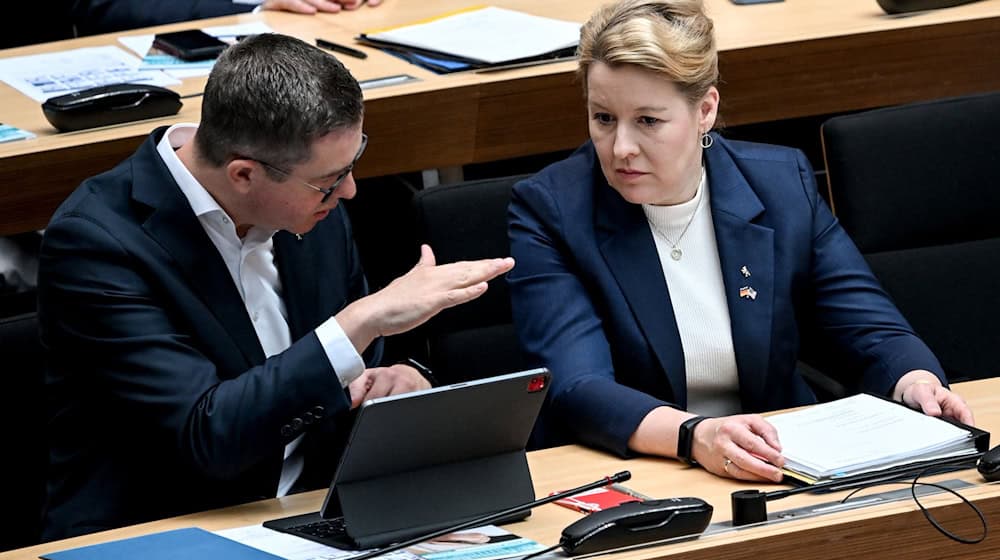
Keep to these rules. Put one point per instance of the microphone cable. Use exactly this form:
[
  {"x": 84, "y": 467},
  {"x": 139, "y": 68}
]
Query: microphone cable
[{"x": 926, "y": 512}]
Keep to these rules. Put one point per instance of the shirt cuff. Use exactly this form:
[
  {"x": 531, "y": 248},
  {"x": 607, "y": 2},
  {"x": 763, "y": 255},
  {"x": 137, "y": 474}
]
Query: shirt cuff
[
  {"x": 249, "y": 2},
  {"x": 344, "y": 359}
]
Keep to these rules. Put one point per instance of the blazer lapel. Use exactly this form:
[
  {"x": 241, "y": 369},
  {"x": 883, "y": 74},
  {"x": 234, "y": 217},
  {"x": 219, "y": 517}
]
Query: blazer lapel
[
  {"x": 299, "y": 281},
  {"x": 746, "y": 254},
  {"x": 175, "y": 227},
  {"x": 630, "y": 253}
]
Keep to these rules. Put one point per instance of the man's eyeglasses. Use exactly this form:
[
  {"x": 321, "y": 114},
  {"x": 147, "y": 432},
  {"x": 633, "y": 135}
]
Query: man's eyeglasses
[{"x": 336, "y": 182}]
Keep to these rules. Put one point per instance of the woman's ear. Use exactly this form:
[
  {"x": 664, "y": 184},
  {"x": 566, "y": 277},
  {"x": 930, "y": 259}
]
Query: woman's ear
[{"x": 708, "y": 109}]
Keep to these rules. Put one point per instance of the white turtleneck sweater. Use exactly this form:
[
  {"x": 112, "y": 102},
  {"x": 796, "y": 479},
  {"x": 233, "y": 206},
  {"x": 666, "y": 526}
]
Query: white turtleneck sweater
[{"x": 699, "y": 302}]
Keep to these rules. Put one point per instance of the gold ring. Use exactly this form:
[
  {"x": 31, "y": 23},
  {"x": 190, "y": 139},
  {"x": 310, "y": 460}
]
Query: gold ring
[{"x": 726, "y": 463}]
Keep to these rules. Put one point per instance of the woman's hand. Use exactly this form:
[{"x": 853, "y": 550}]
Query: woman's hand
[
  {"x": 922, "y": 390},
  {"x": 744, "y": 447}
]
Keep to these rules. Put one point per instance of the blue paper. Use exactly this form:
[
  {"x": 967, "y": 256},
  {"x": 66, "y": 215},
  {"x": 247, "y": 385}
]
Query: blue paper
[
  {"x": 180, "y": 544},
  {"x": 438, "y": 65},
  {"x": 10, "y": 133}
]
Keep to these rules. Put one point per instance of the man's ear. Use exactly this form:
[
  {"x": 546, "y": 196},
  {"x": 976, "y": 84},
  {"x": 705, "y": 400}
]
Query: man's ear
[{"x": 242, "y": 172}]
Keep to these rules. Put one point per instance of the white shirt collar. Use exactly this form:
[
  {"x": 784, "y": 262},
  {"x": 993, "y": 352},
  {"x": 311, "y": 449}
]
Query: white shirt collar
[
  {"x": 200, "y": 200},
  {"x": 203, "y": 204}
]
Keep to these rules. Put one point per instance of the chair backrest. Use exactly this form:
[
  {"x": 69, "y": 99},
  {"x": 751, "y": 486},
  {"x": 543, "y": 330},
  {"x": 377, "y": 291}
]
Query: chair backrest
[
  {"x": 22, "y": 418},
  {"x": 918, "y": 189},
  {"x": 468, "y": 221}
]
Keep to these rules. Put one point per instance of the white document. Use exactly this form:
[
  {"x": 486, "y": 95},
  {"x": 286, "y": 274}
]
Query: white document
[
  {"x": 294, "y": 548},
  {"x": 492, "y": 35},
  {"x": 483, "y": 543},
  {"x": 42, "y": 76},
  {"x": 864, "y": 433},
  {"x": 177, "y": 68}
]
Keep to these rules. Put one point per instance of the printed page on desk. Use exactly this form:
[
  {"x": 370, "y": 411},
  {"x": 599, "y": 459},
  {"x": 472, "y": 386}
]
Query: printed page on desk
[
  {"x": 861, "y": 434},
  {"x": 483, "y": 543},
  {"x": 190, "y": 544},
  {"x": 489, "y": 35}
]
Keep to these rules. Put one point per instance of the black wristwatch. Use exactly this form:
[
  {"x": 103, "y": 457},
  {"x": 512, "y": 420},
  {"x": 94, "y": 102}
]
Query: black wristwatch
[
  {"x": 421, "y": 369},
  {"x": 685, "y": 439}
]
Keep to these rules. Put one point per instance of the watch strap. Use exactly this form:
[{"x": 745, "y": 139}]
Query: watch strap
[
  {"x": 685, "y": 438},
  {"x": 421, "y": 369}
]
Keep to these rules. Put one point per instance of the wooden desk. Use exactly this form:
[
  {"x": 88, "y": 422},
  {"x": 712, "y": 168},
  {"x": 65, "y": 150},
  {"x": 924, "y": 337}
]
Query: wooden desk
[
  {"x": 893, "y": 530},
  {"x": 780, "y": 60}
]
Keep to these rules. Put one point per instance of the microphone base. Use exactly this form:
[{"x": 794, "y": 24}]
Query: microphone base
[{"x": 749, "y": 506}]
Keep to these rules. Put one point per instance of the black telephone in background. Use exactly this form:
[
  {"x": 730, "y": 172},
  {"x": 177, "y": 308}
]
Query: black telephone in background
[{"x": 190, "y": 44}]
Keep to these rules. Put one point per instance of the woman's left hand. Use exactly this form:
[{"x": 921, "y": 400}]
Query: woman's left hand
[{"x": 922, "y": 390}]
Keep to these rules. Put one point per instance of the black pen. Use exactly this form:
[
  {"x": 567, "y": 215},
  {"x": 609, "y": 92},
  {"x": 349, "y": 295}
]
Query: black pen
[{"x": 340, "y": 48}]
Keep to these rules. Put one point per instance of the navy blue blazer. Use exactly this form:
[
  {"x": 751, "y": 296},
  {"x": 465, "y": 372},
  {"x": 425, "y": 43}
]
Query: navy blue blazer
[
  {"x": 104, "y": 16},
  {"x": 590, "y": 302},
  {"x": 161, "y": 400}
]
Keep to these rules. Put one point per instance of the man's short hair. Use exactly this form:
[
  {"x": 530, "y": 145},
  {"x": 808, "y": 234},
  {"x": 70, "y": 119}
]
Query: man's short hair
[{"x": 270, "y": 96}]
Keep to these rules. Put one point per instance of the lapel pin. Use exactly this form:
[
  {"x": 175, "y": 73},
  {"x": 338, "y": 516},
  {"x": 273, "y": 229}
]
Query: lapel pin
[
  {"x": 747, "y": 292},
  {"x": 745, "y": 271}
]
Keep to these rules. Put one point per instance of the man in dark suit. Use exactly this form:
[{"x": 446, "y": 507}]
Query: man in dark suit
[
  {"x": 204, "y": 308},
  {"x": 105, "y": 16}
]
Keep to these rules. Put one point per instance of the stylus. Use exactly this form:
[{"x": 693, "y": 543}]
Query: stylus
[{"x": 328, "y": 45}]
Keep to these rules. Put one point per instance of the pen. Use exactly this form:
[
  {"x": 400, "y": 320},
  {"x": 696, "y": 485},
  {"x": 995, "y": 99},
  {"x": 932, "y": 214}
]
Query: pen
[
  {"x": 386, "y": 81},
  {"x": 340, "y": 48}
]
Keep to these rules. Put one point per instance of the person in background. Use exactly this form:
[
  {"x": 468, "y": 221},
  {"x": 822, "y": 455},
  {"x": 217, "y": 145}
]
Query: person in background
[
  {"x": 667, "y": 275},
  {"x": 203, "y": 304},
  {"x": 91, "y": 17}
]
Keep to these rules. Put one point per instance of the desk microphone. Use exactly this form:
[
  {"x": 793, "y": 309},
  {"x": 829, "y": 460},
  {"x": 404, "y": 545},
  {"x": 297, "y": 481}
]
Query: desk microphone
[{"x": 493, "y": 517}]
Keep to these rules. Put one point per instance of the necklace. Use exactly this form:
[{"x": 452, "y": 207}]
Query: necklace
[{"x": 675, "y": 251}]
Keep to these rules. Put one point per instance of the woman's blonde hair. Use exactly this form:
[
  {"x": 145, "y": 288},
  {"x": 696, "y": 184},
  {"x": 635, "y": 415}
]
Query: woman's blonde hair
[{"x": 673, "y": 38}]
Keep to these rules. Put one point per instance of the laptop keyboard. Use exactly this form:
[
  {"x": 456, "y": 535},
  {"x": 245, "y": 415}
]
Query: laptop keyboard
[{"x": 325, "y": 528}]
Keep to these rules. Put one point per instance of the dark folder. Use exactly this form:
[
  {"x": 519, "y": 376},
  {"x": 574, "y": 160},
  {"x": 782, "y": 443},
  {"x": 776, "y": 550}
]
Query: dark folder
[
  {"x": 444, "y": 63},
  {"x": 423, "y": 461}
]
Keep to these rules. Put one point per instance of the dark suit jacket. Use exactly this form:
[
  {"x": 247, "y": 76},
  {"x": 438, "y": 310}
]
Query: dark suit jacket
[
  {"x": 590, "y": 301},
  {"x": 161, "y": 400},
  {"x": 105, "y": 16}
]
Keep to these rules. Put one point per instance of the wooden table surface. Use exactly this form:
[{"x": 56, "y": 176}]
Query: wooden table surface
[
  {"x": 891, "y": 530},
  {"x": 778, "y": 60}
]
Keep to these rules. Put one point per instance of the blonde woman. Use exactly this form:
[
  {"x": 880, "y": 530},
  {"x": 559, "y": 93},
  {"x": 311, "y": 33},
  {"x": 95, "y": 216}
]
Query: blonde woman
[{"x": 668, "y": 276}]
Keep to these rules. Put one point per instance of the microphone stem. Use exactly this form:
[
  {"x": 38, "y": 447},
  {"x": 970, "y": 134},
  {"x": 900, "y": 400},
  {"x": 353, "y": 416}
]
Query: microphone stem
[{"x": 488, "y": 519}]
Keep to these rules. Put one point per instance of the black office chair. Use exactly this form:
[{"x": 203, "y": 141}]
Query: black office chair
[
  {"x": 462, "y": 222},
  {"x": 918, "y": 189},
  {"x": 22, "y": 421}
]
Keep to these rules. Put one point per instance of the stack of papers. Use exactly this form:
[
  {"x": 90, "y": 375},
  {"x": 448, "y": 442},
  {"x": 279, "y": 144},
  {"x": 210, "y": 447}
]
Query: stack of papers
[
  {"x": 479, "y": 38},
  {"x": 864, "y": 434}
]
